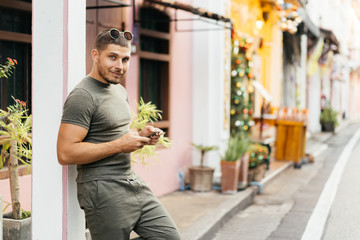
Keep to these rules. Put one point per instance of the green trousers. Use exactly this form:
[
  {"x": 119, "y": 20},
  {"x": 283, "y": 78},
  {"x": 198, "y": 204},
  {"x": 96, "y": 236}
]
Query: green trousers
[{"x": 113, "y": 208}]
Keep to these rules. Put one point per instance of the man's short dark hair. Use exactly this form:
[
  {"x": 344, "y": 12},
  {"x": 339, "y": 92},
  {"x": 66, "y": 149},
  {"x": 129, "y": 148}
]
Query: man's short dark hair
[{"x": 104, "y": 38}]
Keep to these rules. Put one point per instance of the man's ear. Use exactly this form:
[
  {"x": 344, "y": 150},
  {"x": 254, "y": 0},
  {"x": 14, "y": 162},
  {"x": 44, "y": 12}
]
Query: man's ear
[{"x": 95, "y": 55}]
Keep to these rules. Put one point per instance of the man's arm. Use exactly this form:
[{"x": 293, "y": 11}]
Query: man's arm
[{"x": 72, "y": 150}]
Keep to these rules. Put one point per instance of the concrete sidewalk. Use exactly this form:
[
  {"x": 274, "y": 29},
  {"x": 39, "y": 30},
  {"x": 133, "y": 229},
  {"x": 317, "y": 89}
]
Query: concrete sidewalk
[{"x": 200, "y": 215}]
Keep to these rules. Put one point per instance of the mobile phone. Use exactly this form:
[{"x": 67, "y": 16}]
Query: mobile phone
[{"x": 154, "y": 133}]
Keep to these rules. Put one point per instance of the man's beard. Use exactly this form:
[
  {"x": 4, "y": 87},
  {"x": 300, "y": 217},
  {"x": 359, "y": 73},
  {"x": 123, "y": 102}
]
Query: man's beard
[{"x": 111, "y": 81}]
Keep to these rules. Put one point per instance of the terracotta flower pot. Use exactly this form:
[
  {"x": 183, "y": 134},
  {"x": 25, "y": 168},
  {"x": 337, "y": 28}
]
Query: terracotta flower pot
[{"x": 230, "y": 176}]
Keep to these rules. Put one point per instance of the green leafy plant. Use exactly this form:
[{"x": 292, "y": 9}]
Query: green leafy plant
[
  {"x": 15, "y": 125},
  {"x": 258, "y": 155},
  {"x": 15, "y": 138},
  {"x": 237, "y": 146},
  {"x": 147, "y": 113},
  {"x": 6, "y": 69},
  {"x": 329, "y": 115},
  {"x": 203, "y": 149}
]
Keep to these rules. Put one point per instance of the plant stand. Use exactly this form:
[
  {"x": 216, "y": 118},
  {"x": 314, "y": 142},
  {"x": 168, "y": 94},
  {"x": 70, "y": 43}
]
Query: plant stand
[
  {"x": 16, "y": 229},
  {"x": 230, "y": 176},
  {"x": 201, "y": 178}
]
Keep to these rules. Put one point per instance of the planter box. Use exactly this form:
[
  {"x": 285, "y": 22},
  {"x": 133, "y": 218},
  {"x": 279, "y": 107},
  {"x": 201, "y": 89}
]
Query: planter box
[
  {"x": 230, "y": 176},
  {"x": 201, "y": 178},
  {"x": 328, "y": 126},
  {"x": 16, "y": 229}
]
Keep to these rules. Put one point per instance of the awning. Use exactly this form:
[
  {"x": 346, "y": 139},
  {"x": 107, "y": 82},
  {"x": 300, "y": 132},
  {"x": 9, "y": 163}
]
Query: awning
[
  {"x": 110, "y": 4},
  {"x": 194, "y": 10}
]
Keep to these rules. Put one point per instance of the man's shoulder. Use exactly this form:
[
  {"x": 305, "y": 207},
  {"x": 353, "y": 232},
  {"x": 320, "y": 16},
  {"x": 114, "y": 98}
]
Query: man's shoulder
[{"x": 88, "y": 86}]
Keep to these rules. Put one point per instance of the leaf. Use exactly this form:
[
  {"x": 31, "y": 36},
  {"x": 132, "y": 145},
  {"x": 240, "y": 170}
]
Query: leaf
[{"x": 147, "y": 113}]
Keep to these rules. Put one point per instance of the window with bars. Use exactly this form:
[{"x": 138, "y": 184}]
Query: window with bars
[
  {"x": 154, "y": 54},
  {"x": 15, "y": 42}
]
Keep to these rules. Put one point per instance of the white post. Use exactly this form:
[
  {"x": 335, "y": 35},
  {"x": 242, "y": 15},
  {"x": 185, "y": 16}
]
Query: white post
[
  {"x": 58, "y": 55},
  {"x": 47, "y": 98},
  {"x": 208, "y": 85},
  {"x": 303, "y": 71}
]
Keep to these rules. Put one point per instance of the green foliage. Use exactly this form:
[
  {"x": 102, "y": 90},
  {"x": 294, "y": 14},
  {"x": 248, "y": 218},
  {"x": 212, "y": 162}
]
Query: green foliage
[
  {"x": 258, "y": 155},
  {"x": 147, "y": 113},
  {"x": 203, "y": 149},
  {"x": 329, "y": 115},
  {"x": 16, "y": 125},
  {"x": 238, "y": 145},
  {"x": 6, "y": 69},
  {"x": 24, "y": 213}
]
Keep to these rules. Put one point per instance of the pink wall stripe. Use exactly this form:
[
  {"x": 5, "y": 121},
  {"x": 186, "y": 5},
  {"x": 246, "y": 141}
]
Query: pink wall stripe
[{"x": 65, "y": 92}]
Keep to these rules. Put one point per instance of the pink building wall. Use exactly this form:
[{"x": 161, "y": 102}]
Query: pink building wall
[
  {"x": 162, "y": 177},
  {"x": 25, "y": 192}
]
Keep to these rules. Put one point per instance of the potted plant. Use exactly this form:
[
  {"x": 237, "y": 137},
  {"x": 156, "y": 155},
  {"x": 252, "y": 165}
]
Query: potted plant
[
  {"x": 15, "y": 138},
  {"x": 258, "y": 162},
  {"x": 328, "y": 119},
  {"x": 237, "y": 146},
  {"x": 201, "y": 177}
]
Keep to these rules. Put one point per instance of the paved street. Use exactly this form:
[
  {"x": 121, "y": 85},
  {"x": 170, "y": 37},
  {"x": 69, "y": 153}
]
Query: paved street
[{"x": 284, "y": 208}]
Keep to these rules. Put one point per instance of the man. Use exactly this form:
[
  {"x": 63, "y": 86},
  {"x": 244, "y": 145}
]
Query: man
[{"x": 94, "y": 134}]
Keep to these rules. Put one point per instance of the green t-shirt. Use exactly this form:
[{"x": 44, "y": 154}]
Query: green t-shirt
[{"x": 102, "y": 109}]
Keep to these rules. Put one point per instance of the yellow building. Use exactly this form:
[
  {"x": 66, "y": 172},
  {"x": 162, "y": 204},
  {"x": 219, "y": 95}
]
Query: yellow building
[{"x": 257, "y": 21}]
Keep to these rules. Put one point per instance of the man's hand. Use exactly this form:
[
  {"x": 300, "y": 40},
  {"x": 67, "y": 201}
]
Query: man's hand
[
  {"x": 132, "y": 141},
  {"x": 152, "y": 133}
]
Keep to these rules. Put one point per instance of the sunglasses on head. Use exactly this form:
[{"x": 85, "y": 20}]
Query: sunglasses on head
[{"x": 115, "y": 34}]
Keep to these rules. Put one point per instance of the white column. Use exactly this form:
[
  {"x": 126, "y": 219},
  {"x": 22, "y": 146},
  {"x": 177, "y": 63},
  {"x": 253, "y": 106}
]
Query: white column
[
  {"x": 208, "y": 84},
  {"x": 303, "y": 71},
  {"x": 58, "y": 64},
  {"x": 47, "y": 98}
]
